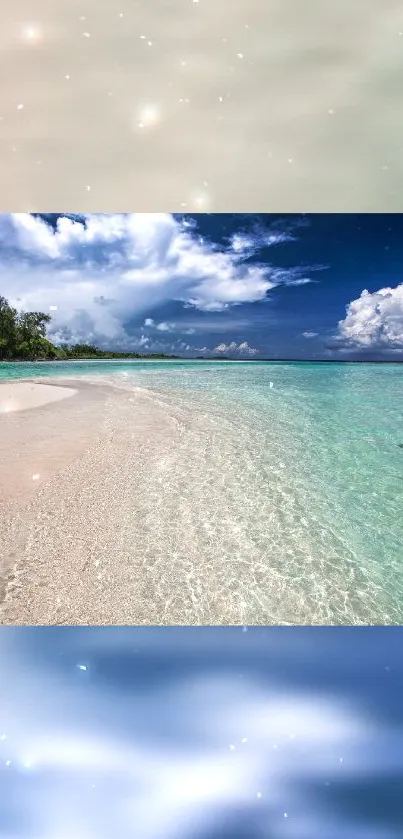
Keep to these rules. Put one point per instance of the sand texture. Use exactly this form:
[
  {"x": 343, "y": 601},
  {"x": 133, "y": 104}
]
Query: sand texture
[
  {"x": 124, "y": 525},
  {"x": 20, "y": 396},
  {"x": 80, "y": 484}
]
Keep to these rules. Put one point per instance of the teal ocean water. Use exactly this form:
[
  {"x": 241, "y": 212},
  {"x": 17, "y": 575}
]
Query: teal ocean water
[{"x": 289, "y": 480}]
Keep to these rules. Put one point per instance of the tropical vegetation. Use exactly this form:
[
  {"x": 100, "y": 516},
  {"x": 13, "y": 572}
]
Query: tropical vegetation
[{"x": 23, "y": 338}]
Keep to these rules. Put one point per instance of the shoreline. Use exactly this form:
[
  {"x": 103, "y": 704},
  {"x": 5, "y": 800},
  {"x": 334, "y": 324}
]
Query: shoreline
[
  {"x": 125, "y": 505},
  {"x": 201, "y": 358},
  {"x": 65, "y": 470},
  {"x": 113, "y": 534}
]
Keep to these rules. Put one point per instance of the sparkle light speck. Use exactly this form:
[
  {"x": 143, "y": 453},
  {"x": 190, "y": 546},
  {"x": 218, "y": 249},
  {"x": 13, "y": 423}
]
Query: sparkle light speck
[
  {"x": 31, "y": 34},
  {"x": 149, "y": 116},
  {"x": 201, "y": 200}
]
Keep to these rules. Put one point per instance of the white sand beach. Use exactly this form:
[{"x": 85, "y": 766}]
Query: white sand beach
[
  {"x": 43, "y": 427},
  {"x": 20, "y": 396},
  {"x": 74, "y": 506}
]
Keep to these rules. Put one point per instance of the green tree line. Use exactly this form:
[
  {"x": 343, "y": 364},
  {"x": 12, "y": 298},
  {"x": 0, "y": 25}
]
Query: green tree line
[{"x": 23, "y": 338}]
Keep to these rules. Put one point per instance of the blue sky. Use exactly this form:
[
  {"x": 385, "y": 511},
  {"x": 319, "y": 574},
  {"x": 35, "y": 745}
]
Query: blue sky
[
  {"x": 244, "y": 286},
  {"x": 211, "y": 733}
]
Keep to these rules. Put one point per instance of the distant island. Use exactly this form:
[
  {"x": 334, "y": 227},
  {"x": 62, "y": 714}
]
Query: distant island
[{"x": 23, "y": 338}]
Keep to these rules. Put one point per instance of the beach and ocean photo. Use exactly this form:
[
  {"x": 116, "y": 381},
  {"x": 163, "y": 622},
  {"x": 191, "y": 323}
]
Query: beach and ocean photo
[{"x": 201, "y": 419}]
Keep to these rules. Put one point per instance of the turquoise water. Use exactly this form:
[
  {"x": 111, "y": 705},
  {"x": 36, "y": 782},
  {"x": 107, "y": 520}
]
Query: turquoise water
[{"x": 292, "y": 474}]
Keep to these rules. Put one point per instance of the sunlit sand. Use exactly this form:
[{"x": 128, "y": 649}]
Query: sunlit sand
[{"x": 20, "y": 396}]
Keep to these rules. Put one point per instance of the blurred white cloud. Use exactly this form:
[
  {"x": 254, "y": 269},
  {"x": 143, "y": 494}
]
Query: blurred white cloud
[{"x": 126, "y": 748}]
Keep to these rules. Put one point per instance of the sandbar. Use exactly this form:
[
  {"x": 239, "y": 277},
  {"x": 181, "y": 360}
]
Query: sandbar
[{"x": 21, "y": 396}]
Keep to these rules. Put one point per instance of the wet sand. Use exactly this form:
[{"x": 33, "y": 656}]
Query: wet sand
[{"x": 68, "y": 506}]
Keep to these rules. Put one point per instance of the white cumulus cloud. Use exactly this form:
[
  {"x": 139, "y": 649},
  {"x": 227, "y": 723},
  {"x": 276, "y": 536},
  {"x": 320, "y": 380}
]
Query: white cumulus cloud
[
  {"x": 98, "y": 271},
  {"x": 374, "y": 320}
]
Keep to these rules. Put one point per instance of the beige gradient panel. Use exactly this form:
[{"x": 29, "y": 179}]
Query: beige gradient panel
[{"x": 228, "y": 105}]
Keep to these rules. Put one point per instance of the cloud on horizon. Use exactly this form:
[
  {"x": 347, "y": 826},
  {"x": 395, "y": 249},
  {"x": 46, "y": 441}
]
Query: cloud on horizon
[
  {"x": 374, "y": 321},
  {"x": 233, "y": 347},
  {"x": 98, "y": 272}
]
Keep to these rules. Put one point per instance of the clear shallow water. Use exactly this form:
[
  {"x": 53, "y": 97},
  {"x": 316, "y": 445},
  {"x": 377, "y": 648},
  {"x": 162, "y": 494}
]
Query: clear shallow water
[{"x": 287, "y": 480}]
